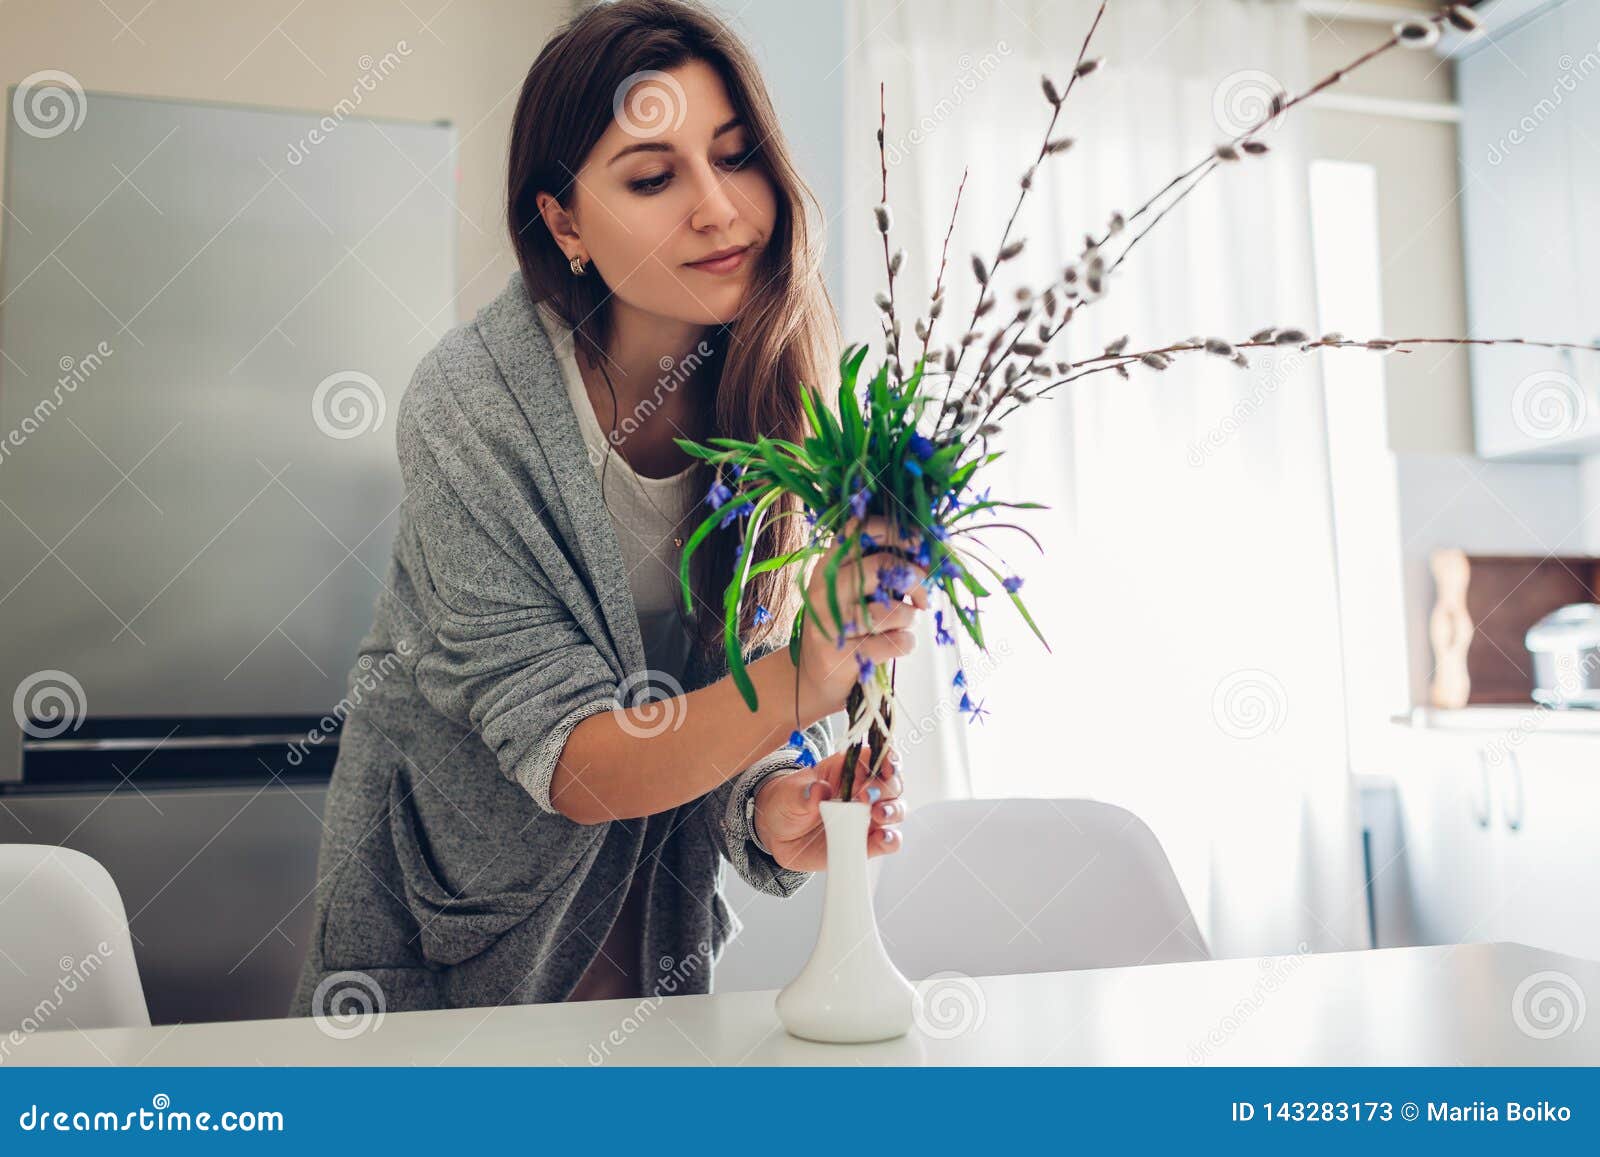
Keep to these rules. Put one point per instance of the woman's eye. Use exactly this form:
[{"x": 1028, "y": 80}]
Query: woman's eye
[{"x": 649, "y": 185}]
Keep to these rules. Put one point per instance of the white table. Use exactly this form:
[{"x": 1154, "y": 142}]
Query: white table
[{"x": 1400, "y": 1006}]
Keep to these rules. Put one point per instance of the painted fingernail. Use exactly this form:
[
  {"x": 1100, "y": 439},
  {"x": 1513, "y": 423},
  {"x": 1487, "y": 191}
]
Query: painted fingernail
[
  {"x": 807, "y": 793},
  {"x": 887, "y": 811},
  {"x": 890, "y": 835},
  {"x": 874, "y": 794}
]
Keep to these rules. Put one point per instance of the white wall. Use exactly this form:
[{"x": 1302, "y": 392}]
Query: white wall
[{"x": 1429, "y": 393}]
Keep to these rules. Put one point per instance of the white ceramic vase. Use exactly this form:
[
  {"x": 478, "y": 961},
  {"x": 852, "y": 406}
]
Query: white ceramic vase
[{"x": 850, "y": 991}]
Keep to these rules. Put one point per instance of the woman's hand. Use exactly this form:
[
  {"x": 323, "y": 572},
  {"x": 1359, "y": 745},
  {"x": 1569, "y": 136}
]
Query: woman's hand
[
  {"x": 879, "y": 631},
  {"x": 789, "y": 818}
]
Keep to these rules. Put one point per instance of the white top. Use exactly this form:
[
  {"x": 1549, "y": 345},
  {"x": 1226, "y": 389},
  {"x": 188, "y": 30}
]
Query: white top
[
  {"x": 646, "y": 512},
  {"x": 1470, "y": 1004}
]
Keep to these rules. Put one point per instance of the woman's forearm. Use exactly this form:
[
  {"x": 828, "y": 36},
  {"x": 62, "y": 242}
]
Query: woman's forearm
[{"x": 614, "y": 768}]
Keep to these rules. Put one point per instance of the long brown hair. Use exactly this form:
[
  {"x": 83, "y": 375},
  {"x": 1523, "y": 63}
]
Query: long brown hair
[{"x": 786, "y": 333}]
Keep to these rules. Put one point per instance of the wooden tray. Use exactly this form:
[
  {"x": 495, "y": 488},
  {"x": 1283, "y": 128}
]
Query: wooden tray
[{"x": 1483, "y": 607}]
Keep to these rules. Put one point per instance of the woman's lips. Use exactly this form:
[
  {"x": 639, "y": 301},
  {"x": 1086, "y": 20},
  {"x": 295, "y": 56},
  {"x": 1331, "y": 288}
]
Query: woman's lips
[{"x": 722, "y": 265}]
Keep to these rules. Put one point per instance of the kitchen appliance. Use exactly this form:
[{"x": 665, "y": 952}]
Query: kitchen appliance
[
  {"x": 1565, "y": 648},
  {"x": 208, "y": 316}
]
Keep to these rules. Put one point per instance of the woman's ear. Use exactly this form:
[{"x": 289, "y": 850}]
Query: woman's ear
[{"x": 562, "y": 224}]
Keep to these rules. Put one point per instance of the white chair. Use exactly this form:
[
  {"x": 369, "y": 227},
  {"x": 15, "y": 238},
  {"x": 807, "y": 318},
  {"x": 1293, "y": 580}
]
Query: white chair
[
  {"x": 773, "y": 937},
  {"x": 66, "y": 957},
  {"x": 990, "y": 887}
]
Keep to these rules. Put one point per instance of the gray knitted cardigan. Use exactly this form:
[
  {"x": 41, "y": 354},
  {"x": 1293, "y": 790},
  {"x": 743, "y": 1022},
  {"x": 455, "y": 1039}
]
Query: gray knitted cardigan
[{"x": 446, "y": 876}]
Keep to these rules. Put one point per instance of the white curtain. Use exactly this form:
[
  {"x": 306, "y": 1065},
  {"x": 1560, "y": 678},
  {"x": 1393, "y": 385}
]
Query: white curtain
[{"x": 1188, "y": 586}]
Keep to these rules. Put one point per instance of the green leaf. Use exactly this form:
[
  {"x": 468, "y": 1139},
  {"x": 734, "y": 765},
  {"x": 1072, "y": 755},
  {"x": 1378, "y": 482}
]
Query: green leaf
[
  {"x": 735, "y": 592},
  {"x": 974, "y": 507},
  {"x": 855, "y": 438},
  {"x": 1016, "y": 599},
  {"x": 695, "y": 539}
]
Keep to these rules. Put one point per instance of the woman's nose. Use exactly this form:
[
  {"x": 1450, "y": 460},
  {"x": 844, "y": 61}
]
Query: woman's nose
[{"x": 715, "y": 209}]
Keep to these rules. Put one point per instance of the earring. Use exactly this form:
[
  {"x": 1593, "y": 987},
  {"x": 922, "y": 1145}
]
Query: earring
[{"x": 576, "y": 265}]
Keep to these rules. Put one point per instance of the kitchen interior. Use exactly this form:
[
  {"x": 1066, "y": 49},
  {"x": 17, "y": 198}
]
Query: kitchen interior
[{"x": 191, "y": 561}]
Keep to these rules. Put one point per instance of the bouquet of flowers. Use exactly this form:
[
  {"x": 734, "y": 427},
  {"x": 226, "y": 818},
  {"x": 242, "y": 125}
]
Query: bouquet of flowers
[{"x": 909, "y": 444}]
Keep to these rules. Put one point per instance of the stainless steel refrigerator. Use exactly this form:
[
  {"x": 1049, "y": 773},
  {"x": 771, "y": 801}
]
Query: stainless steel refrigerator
[{"x": 208, "y": 315}]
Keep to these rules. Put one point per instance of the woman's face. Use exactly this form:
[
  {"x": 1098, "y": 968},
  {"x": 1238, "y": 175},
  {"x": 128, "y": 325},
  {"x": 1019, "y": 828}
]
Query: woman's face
[{"x": 673, "y": 180}]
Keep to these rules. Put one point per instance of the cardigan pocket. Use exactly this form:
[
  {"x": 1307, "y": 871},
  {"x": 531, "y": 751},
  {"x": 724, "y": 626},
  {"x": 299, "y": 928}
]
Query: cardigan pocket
[{"x": 452, "y": 926}]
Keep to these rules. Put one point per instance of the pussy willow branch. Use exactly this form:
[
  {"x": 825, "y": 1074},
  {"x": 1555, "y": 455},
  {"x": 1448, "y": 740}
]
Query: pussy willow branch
[
  {"x": 936, "y": 301},
  {"x": 1044, "y": 151},
  {"x": 888, "y": 263},
  {"x": 1124, "y": 361},
  {"x": 1185, "y": 184}
]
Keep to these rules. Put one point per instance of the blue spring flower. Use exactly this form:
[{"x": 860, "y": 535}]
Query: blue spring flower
[
  {"x": 844, "y": 635},
  {"x": 924, "y": 553},
  {"x": 913, "y": 467},
  {"x": 960, "y": 680},
  {"x": 733, "y": 512},
  {"x": 947, "y": 568},
  {"x": 921, "y": 447},
  {"x": 717, "y": 495},
  {"x": 941, "y": 636},
  {"x": 895, "y": 579},
  {"x": 805, "y": 758},
  {"x": 738, "y": 552},
  {"x": 865, "y": 664},
  {"x": 1012, "y": 584},
  {"x": 868, "y": 542},
  {"x": 858, "y": 502},
  {"x": 762, "y": 614}
]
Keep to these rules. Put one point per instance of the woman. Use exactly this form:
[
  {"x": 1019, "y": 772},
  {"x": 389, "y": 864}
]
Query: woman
[{"x": 499, "y": 829}]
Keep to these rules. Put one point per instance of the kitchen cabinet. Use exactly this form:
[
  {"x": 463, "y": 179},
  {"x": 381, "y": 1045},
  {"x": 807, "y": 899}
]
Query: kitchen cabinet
[
  {"x": 1497, "y": 837},
  {"x": 1550, "y": 846},
  {"x": 1530, "y": 177}
]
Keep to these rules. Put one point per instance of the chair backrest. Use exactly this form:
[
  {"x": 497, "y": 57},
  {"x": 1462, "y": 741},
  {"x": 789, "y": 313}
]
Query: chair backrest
[
  {"x": 999, "y": 886},
  {"x": 66, "y": 957}
]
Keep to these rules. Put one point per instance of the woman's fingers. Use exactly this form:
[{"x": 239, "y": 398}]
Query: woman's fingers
[
  {"x": 890, "y": 617},
  {"x": 883, "y": 842},
  {"x": 881, "y": 648}
]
